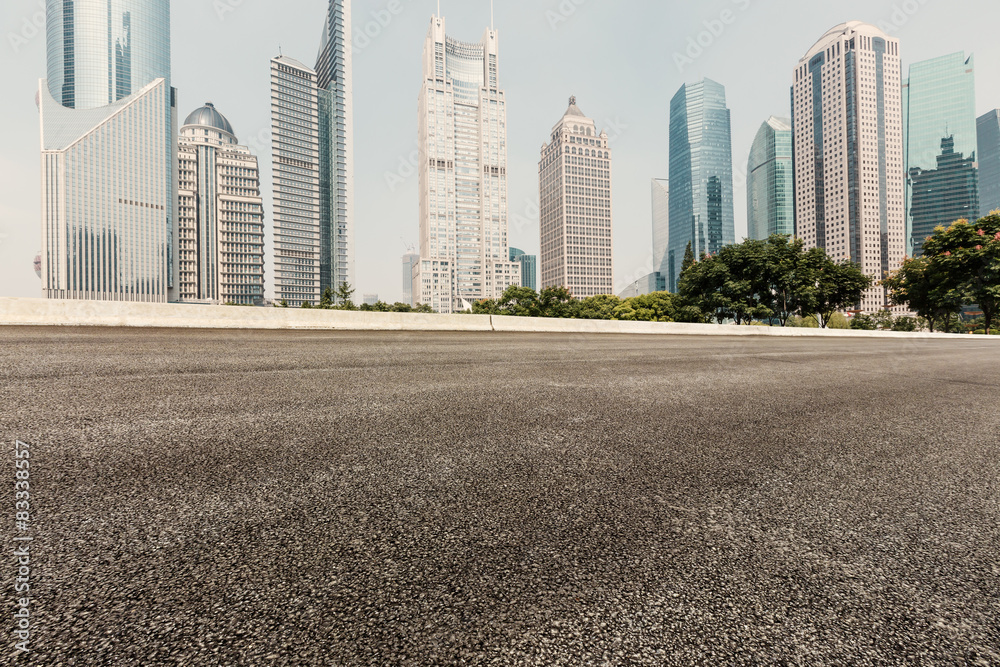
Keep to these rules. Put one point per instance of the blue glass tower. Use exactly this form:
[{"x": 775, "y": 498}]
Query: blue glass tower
[
  {"x": 988, "y": 131},
  {"x": 108, "y": 116},
  {"x": 770, "y": 186},
  {"x": 529, "y": 267},
  {"x": 701, "y": 174},
  {"x": 939, "y": 145}
]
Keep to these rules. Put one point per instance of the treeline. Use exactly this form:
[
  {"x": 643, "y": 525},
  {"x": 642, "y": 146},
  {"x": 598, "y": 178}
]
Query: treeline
[
  {"x": 343, "y": 299},
  {"x": 960, "y": 268},
  {"x": 754, "y": 282}
]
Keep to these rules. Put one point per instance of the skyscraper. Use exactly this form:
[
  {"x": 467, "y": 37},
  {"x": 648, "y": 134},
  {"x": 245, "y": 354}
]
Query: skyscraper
[
  {"x": 770, "y": 184},
  {"x": 335, "y": 85},
  {"x": 108, "y": 117},
  {"x": 312, "y": 130},
  {"x": 575, "y": 189},
  {"x": 988, "y": 133},
  {"x": 939, "y": 145},
  {"x": 220, "y": 214},
  {"x": 529, "y": 267},
  {"x": 661, "y": 224},
  {"x": 701, "y": 174},
  {"x": 411, "y": 261},
  {"x": 848, "y": 147},
  {"x": 463, "y": 173},
  {"x": 295, "y": 158}
]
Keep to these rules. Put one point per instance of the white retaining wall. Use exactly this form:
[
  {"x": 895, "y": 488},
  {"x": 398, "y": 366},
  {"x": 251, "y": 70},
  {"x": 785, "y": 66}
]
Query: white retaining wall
[{"x": 52, "y": 312}]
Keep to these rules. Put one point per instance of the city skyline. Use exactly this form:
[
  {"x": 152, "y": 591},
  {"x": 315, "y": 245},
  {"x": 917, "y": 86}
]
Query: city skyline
[{"x": 643, "y": 146}]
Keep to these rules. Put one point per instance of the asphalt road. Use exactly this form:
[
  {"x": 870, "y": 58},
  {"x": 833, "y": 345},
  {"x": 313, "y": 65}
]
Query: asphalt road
[{"x": 273, "y": 498}]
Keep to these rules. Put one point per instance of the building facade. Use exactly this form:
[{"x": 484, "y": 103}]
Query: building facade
[
  {"x": 988, "y": 139},
  {"x": 848, "y": 147},
  {"x": 411, "y": 261},
  {"x": 335, "y": 94},
  {"x": 295, "y": 164},
  {"x": 220, "y": 214},
  {"x": 576, "y": 222},
  {"x": 529, "y": 267},
  {"x": 939, "y": 146},
  {"x": 770, "y": 181},
  {"x": 108, "y": 119},
  {"x": 701, "y": 174},
  {"x": 661, "y": 224},
  {"x": 464, "y": 256}
]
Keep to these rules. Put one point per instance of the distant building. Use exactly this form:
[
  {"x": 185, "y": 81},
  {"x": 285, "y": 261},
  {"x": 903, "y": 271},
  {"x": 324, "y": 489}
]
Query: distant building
[
  {"x": 770, "y": 182},
  {"x": 939, "y": 146},
  {"x": 463, "y": 173},
  {"x": 370, "y": 299},
  {"x": 701, "y": 174},
  {"x": 220, "y": 214},
  {"x": 529, "y": 267},
  {"x": 575, "y": 188},
  {"x": 411, "y": 262},
  {"x": 848, "y": 142},
  {"x": 108, "y": 119},
  {"x": 654, "y": 282},
  {"x": 661, "y": 224},
  {"x": 988, "y": 131},
  {"x": 943, "y": 195}
]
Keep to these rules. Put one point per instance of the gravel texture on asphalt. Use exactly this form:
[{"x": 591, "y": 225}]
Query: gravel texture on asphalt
[{"x": 299, "y": 498}]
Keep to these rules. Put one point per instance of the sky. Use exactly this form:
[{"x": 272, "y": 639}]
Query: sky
[{"x": 622, "y": 59}]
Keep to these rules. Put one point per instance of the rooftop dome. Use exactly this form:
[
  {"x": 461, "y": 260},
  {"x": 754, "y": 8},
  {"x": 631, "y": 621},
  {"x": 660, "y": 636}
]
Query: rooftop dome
[{"x": 207, "y": 116}]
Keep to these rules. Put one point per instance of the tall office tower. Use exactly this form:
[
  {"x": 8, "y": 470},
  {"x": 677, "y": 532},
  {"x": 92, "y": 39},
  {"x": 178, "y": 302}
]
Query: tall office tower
[
  {"x": 463, "y": 174},
  {"x": 661, "y": 225},
  {"x": 529, "y": 267},
  {"x": 575, "y": 187},
  {"x": 220, "y": 214},
  {"x": 988, "y": 132},
  {"x": 108, "y": 118},
  {"x": 701, "y": 174},
  {"x": 295, "y": 158},
  {"x": 411, "y": 261},
  {"x": 848, "y": 146},
  {"x": 770, "y": 182},
  {"x": 939, "y": 146},
  {"x": 336, "y": 130}
]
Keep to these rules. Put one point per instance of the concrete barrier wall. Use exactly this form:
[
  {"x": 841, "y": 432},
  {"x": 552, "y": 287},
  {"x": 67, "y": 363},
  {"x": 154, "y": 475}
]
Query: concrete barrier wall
[{"x": 52, "y": 312}]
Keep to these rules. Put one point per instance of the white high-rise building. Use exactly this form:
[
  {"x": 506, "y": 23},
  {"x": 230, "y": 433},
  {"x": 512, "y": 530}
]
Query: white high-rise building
[
  {"x": 848, "y": 151},
  {"x": 464, "y": 256},
  {"x": 108, "y": 117},
  {"x": 295, "y": 157},
  {"x": 575, "y": 190},
  {"x": 220, "y": 214}
]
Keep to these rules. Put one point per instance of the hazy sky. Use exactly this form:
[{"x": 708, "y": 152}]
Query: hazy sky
[{"x": 619, "y": 57}]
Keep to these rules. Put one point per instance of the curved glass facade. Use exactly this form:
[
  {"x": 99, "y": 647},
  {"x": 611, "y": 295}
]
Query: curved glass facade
[
  {"x": 102, "y": 51},
  {"x": 770, "y": 191}
]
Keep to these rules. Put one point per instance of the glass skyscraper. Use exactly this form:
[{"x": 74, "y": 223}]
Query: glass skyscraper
[
  {"x": 939, "y": 137},
  {"x": 336, "y": 129},
  {"x": 529, "y": 267},
  {"x": 108, "y": 117},
  {"x": 988, "y": 131},
  {"x": 770, "y": 182},
  {"x": 701, "y": 174}
]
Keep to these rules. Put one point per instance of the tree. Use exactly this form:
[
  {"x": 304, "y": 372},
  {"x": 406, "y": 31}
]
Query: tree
[
  {"x": 284, "y": 303},
  {"x": 863, "y": 322},
  {"x": 556, "y": 302},
  {"x": 306, "y": 304},
  {"x": 327, "y": 301},
  {"x": 423, "y": 308},
  {"x": 968, "y": 257},
  {"x": 921, "y": 284},
  {"x": 344, "y": 296},
  {"x": 519, "y": 302},
  {"x": 655, "y": 307},
  {"x": 601, "y": 307},
  {"x": 689, "y": 259},
  {"x": 837, "y": 286}
]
